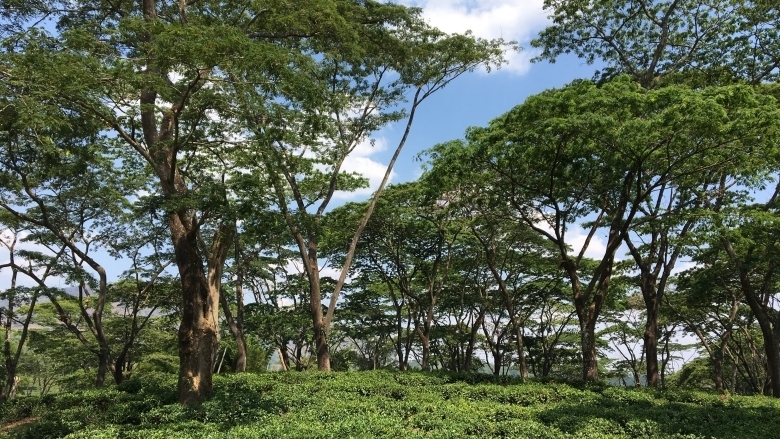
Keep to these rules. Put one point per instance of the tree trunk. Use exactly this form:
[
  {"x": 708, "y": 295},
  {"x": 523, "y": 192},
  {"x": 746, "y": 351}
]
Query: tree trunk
[
  {"x": 473, "y": 340},
  {"x": 320, "y": 336},
  {"x": 498, "y": 359},
  {"x": 651, "y": 346},
  {"x": 590, "y": 363},
  {"x": 771, "y": 349},
  {"x": 10, "y": 383},
  {"x": 771, "y": 346},
  {"x": 237, "y": 330},
  {"x": 236, "y": 324},
  {"x": 119, "y": 367},
  {"x": 717, "y": 368},
  {"x": 426, "y": 351},
  {"x": 103, "y": 367},
  {"x": 198, "y": 332}
]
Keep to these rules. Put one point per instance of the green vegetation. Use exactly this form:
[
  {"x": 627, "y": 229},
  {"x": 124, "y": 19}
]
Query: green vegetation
[
  {"x": 203, "y": 145},
  {"x": 390, "y": 405}
]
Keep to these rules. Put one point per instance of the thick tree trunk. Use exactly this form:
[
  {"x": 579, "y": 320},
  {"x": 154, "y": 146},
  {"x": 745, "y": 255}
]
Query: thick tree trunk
[
  {"x": 590, "y": 364},
  {"x": 588, "y": 316},
  {"x": 717, "y": 375},
  {"x": 498, "y": 360},
  {"x": 119, "y": 367},
  {"x": 771, "y": 349},
  {"x": 198, "y": 332}
]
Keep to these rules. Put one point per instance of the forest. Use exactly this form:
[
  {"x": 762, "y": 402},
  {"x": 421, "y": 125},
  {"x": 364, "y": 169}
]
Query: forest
[{"x": 201, "y": 145}]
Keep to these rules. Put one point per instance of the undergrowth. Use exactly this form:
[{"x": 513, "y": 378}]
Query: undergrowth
[{"x": 388, "y": 405}]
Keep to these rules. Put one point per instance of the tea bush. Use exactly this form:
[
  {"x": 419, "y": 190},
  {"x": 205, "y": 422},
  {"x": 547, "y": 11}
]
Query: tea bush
[{"x": 389, "y": 405}]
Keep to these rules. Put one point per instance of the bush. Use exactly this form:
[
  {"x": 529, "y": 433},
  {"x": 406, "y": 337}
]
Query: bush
[{"x": 391, "y": 405}]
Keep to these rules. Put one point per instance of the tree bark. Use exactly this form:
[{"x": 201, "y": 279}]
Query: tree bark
[
  {"x": 317, "y": 316},
  {"x": 198, "y": 331},
  {"x": 651, "y": 347},
  {"x": 590, "y": 363},
  {"x": 236, "y": 325}
]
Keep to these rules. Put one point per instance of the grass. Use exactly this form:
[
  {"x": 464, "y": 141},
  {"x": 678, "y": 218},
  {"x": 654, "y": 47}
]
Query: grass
[{"x": 389, "y": 405}]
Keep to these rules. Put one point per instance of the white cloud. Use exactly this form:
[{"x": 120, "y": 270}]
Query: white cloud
[
  {"x": 361, "y": 162},
  {"x": 518, "y": 20},
  {"x": 575, "y": 238},
  {"x": 596, "y": 248}
]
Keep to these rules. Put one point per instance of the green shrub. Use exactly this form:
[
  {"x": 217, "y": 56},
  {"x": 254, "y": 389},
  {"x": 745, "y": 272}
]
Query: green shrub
[{"x": 390, "y": 405}]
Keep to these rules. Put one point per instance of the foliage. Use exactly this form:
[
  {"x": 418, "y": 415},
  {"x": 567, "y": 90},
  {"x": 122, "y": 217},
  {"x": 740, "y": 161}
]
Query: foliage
[{"x": 385, "y": 404}]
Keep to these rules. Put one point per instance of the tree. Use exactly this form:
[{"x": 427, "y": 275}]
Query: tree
[
  {"x": 156, "y": 77},
  {"x": 20, "y": 302},
  {"x": 302, "y": 146},
  {"x": 653, "y": 40},
  {"x": 593, "y": 155},
  {"x": 660, "y": 42}
]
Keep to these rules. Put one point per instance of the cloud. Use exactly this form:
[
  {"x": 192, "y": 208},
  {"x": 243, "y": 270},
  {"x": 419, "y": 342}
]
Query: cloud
[
  {"x": 596, "y": 248},
  {"x": 508, "y": 19},
  {"x": 575, "y": 238},
  {"x": 361, "y": 162}
]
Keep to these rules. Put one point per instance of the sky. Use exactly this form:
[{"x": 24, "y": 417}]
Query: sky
[
  {"x": 474, "y": 98},
  {"x": 470, "y": 100}
]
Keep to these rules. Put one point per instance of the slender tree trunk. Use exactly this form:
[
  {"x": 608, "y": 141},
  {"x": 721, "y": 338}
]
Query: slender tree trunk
[
  {"x": 399, "y": 345},
  {"x": 10, "y": 364},
  {"x": 317, "y": 316},
  {"x": 426, "y": 352},
  {"x": 240, "y": 338},
  {"x": 236, "y": 324},
  {"x": 771, "y": 342},
  {"x": 320, "y": 336},
  {"x": 651, "y": 346},
  {"x": 473, "y": 340}
]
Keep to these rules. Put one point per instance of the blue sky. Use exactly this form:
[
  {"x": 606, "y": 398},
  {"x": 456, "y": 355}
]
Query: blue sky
[{"x": 474, "y": 98}]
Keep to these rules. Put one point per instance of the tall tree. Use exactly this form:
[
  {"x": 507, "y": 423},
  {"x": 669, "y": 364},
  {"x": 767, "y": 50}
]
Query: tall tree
[
  {"x": 651, "y": 40},
  {"x": 155, "y": 74},
  {"x": 302, "y": 146},
  {"x": 592, "y": 155}
]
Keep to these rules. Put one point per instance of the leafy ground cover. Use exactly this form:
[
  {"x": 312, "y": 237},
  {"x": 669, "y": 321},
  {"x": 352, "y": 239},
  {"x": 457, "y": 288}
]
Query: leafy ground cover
[{"x": 388, "y": 405}]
